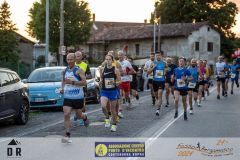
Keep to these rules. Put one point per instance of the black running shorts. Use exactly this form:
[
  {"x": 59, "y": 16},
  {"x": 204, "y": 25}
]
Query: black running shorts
[{"x": 74, "y": 103}]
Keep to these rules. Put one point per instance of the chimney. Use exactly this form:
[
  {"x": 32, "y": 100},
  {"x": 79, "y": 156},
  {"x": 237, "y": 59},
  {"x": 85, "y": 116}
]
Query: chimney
[{"x": 93, "y": 17}]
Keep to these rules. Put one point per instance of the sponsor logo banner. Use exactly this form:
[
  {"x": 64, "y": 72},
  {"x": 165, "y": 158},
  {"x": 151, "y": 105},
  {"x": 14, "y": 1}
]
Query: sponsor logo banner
[{"x": 120, "y": 148}]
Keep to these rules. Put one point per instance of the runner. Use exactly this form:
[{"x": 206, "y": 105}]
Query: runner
[
  {"x": 126, "y": 77},
  {"x": 134, "y": 82},
  {"x": 235, "y": 68},
  {"x": 158, "y": 68},
  {"x": 193, "y": 84},
  {"x": 168, "y": 84},
  {"x": 85, "y": 67},
  {"x": 72, "y": 88},
  {"x": 227, "y": 76},
  {"x": 117, "y": 65},
  {"x": 220, "y": 75},
  {"x": 207, "y": 78},
  {"x": 150, "y": 76},
  {"x": 110, "y": 78},
  {"x": 201, "y": 82},
  {"x": 180, "y": 77}
]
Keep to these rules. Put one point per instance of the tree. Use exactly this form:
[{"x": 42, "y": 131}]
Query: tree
[
  {"x": 77, "y": 25},
  {"x": 219, "y": 13},
  {"x": 8, "y": 41}
]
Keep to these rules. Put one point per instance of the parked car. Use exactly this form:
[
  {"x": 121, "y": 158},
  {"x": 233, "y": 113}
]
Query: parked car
[
  {"x": 14, "y": 100},
  {"x": 93, "y": 90},
  {"x": 45, "y": 84}
]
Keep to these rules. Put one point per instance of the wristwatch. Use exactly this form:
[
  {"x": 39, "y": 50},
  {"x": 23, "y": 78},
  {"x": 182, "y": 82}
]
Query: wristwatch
[{"x": 73, "y": 82}]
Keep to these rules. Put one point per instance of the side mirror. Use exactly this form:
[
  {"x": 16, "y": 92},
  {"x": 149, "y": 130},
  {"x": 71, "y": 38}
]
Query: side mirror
[{"x": 24, "y": 80}]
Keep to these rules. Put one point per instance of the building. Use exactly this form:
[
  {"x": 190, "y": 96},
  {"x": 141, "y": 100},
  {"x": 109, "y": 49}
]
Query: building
[
  {"x": 198, "y": 40},
  {"x": 26, "y": 49}
]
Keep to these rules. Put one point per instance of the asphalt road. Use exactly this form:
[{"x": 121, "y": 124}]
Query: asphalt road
[{"x": 216, "y": 118}]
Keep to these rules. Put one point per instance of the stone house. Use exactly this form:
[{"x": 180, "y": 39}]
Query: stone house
[{"x": 198, "y": 40}]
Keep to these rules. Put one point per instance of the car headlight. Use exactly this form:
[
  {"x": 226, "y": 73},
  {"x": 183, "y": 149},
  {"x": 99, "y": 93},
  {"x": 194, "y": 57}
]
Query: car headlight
[{"x": 90, "y": 85}]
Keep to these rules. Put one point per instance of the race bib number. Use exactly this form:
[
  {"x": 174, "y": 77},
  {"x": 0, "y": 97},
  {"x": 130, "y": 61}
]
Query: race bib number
[
  {"x": 127, "y": 78},
  {"x": 159, "y": 74},
  {"x": 233, "y": 75},
  {"x": 109, "y": 83},
  {"x": 180, "y": 83},
  {"x": 150, "y": 76},
  {"x": 191, "y": 85}
]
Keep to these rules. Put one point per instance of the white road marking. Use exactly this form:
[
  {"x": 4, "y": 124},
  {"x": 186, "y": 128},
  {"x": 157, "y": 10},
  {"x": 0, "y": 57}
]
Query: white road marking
[{"x": 158, "y": 133}]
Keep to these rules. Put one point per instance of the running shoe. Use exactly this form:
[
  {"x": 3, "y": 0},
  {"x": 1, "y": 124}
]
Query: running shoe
[
  {"x": 107, "y": 123},
  {"x": 120, "y": 114},
  {"x": 225, "y": 94},
  {"x": 86, "y": 122},
  {"x": 191, "y": 111},
  {"x": 231, "y": 91},
  {"x": 176, "y": 115},
  {"x": 137, "y": 97},
  {"x": 237, "y": 85},
  {"x": 66, "y": 138},
  {"x": 158, "y": 112},
  {"x": 199, "y": 104},
  {"x": 167, "y": 104},
  {"x": 218, "y": 97},
  {"x": 113, "y": 128},
  {"x": 185, "y": 116},
  {"x": 81, "y": 122}
]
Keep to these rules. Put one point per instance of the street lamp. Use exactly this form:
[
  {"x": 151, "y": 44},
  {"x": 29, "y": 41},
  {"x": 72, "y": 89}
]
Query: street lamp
[
  {"x": 47, "y": 34},
  {"x": 62, "y": 47}
]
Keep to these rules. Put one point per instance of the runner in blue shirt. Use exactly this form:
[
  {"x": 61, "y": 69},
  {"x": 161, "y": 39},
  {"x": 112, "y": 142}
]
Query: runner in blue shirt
[
  {"x": 234, "y": 69},
  {"x": 180, "y": 77},
  {"x": 168, "y": 84},
  {"x": 193, "y": 84},
  {"x": 158, "y": 69}
]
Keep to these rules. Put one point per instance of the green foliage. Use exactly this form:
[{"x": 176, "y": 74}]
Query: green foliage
[
  {"x": 5, "y": 18},
  {"x": 219, "y": 13},
  {"x": 9, "y": 53},
  {"x": 77, "y": 24}
]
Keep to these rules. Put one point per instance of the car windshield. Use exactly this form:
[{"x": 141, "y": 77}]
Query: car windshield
[{"x": 46, "y": 75}]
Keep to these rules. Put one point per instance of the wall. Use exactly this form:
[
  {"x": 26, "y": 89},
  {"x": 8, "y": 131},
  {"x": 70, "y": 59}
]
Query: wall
[
  {"x": 175, "y": 46},
  {"x": 26, "y": 50},
  {"x": 204, "y": 35}
]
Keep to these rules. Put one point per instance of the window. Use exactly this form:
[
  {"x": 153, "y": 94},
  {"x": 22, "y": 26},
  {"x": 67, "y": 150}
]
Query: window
[
  {"x": 137, "y": 49},
  {"x": 4, "y": 80},
  {"x": 15, "y": 78},
  {"x": 210, "y": 46},
  {"x": 196, "y": 46}
]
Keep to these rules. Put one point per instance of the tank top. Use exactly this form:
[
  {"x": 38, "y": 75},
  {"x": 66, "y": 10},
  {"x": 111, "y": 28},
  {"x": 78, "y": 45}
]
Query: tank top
[
  {"x": 158, "y": 72},
  {"x": 73, "y": 91},
  {"x": 109, "y": 79}
]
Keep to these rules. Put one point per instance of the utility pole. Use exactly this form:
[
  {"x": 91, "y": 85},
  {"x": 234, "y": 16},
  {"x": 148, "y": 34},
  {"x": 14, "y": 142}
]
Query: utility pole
[
  {"x": 159, "y": 34},
  {"x": 61, "y": 53},
  {"x": 47, "y": 34},
  {"x": 154, "y": 31}
]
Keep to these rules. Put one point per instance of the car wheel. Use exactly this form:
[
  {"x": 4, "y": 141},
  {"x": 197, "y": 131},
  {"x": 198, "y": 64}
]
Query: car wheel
[
  {"x": 23, "y": 115},
  {"x": 97, "y": 96}
]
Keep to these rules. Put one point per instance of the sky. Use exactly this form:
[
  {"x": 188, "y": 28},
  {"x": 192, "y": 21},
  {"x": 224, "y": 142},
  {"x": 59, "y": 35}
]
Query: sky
[{"x": 105, "y": 10}]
